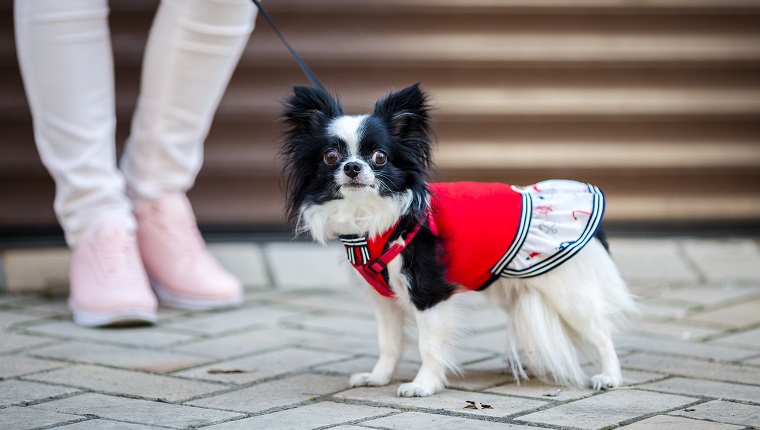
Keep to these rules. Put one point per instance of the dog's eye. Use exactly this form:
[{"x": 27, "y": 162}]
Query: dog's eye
[
  {"x": 331, "y": 157},
  {"x": 379, "y": 158}
]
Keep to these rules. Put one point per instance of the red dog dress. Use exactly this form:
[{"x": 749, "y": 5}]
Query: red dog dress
[{"x": 492, "y": 230}]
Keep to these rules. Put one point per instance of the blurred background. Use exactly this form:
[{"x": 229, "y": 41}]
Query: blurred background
[{"x": 655, "y": 101}]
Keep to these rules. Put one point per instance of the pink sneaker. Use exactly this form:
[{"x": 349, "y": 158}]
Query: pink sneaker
[
  {"x": 181, "y": 269},
  {"x": 108, "y": 281}
]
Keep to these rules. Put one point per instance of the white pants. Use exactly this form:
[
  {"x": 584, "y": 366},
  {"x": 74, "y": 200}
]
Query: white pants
[{"x": 64, "y": 51}]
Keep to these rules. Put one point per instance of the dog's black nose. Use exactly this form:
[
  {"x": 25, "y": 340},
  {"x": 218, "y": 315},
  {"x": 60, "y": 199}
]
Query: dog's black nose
[{"x": 352, "y": 169}]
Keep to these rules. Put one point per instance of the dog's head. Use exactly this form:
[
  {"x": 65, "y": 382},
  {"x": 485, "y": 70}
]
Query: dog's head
[{"x": 355, "y": 174}]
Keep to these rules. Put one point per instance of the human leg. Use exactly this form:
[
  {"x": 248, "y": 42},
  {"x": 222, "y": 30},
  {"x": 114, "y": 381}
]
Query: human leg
[
  {"x": 64, "y": 52},
  {"x": 192, "y": 51}
]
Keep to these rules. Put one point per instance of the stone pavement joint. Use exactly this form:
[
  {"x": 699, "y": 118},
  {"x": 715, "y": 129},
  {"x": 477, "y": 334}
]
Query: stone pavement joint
[{"x": 282, "y": 360}]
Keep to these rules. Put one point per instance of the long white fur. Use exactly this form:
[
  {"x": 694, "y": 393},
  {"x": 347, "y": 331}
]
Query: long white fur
[
  {"x": 573, "y": 309},
  {"x": 360, "y": 211}
]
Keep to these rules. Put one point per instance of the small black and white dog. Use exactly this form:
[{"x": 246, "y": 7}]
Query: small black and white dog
[{"x": 538, "y": 249}]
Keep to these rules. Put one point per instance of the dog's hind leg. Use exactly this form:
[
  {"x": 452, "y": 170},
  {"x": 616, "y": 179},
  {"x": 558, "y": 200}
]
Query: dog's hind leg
[
  {"x": 611, "y": 376},
  {"x": 390, "y": 322},
  {"x": 592, "y": 300},
  {"x": 438, "y": 330}
]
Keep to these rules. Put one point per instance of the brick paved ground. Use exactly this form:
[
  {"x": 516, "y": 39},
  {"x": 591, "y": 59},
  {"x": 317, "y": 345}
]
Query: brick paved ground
[{"x": 282, "y": 360}]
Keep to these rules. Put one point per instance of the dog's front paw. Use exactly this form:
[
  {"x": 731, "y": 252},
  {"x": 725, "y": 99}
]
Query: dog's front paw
[
  {"x": 413, "y": 389},
  {"x": 603, "y": 381},
  {"x": 368, "y": 380}
]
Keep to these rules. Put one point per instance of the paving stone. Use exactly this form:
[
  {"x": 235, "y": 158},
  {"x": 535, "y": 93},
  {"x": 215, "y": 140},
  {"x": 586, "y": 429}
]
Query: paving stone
[
  {"x": 253, "y": 341},
  {"x": 23, "y": 392},
  {"x": 678, "y": 347},
  {"x": 245, "y": 261},
  {"x": 310, "y": 265},
  {"x": 117, "y": 356},
  {"x": 724, "y": 412},
  {"x": 405, "y": 371},
  {"x": 736, "y": 316},
  {"x": 349, "y": 301},
  {"x": 270, "y": 295},
  {"x": 535, "y": 388},
  {"x": 151, "y": 337},
  {"x": 676, "y": 423},
  {"x": 631, "y": 376},
  {"x": 18, "y": 365},
  {"x": 447, "y": 400},
  {"x": 675, "y": 329},
  {"x": 263, "y": 366},
  {"x": 495, "y": 341},
  {"x": 17, "y": 418},
  {"x": 106, "y": 425},
  {"x": 214, "y": 323},
  {"x": 495, "y": 365},
  {"x": 655, "y": 308},
  {"x": 116, "y": 381},
  {"x": 652, "y": 261},
  {"x": 647, "y": 289},
  {"x": 10, "y": 318},
  {"x": 618, "y": 406},
  {"x": 420, "y": 421},
  {"x": 340, "y": 324},
  {"x": 46, "y": 306},
  {"x": 700, "y": 387},
  {"x": 710, "y": 295},
  {"x": 412, "y": 353},
  {"x": 348, "y": 427},
  {"x": 750, "y": 338},
  {"x": 9, "y": 299},
  {"x": 275, "y": 394},
  {"x": 38, "y": 269},
  {"x": 477, "y": 381},
  {"x": 10, "y": 342},
  {"x": 307, "y": 417},
  {"x": 487, "y": 319},
  {"x": 137, "y": 411},
  {"x": 693, "y": 368},
  {"x": 722, "y": 260},
  {"x": 356, "y": 345}
]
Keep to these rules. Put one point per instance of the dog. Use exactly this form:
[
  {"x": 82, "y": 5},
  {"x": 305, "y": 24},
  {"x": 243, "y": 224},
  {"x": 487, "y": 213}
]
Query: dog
[{"x": 537, "y": 252}]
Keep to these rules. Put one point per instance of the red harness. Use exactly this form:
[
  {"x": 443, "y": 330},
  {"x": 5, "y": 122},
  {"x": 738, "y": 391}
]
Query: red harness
[{"x": 374, "y": 271}]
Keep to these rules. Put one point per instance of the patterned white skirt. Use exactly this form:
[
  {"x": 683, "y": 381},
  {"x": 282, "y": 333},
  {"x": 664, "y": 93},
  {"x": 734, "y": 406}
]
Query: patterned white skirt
[{"x": 559, "y": 217}]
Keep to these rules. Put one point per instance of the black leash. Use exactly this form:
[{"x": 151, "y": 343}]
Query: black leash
[{"x": 306, "y": 70}]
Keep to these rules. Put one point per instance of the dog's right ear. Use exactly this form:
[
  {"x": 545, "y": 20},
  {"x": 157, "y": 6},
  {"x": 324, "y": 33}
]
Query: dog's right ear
[{"x": 308, "y": 110}]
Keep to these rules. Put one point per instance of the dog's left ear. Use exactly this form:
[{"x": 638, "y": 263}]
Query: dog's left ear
[{"x": 405, "y": 112}]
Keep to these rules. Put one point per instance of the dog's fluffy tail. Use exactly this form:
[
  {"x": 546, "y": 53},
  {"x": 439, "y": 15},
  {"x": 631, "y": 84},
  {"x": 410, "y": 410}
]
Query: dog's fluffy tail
[
  {"x": 556, "y": 316},
  {"x": 536, "y": 329}
]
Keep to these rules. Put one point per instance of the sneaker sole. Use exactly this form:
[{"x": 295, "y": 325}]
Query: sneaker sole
[
  {"x": 171, "y": 299},
  {"x": 122, "y": 317}
]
